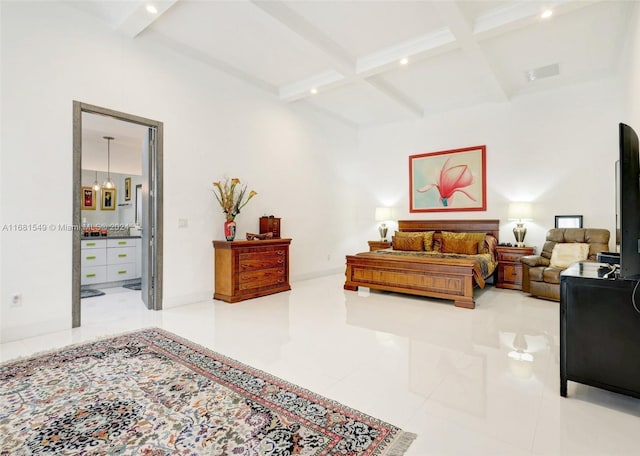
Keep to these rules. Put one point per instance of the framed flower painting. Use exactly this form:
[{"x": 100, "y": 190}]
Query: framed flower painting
[{"x": 448, "y": 180}]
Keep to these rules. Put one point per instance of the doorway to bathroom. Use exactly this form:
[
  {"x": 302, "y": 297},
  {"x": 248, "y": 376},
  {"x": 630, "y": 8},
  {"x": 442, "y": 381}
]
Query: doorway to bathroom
[{"x": 117, "y": 204}]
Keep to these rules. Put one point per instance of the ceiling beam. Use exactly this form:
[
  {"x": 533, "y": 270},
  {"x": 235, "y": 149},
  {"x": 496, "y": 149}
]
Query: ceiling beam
[
  {"x": 140, "y": 18},
  {"x": 452, "y": 16},
  {"x": 344, "y": 70},
  {"x": 342, "y": 60},
  {"x": 188, "y": 51},
  {"x": 413, "y": 49}
]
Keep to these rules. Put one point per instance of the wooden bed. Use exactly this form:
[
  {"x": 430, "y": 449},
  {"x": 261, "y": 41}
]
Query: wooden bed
[{"x": 445, "y": 278}]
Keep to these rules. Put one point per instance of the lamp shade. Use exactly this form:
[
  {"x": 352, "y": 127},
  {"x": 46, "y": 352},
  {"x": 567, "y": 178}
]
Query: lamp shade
[
  {"x": 383, "y": 214},
  {"x": 520, "y": 211}
]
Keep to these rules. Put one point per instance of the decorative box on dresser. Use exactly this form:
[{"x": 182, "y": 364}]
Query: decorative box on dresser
[
  {"x": 270, "y": 225},
  {"x": 510, "y": 267},
  {"x": 249, "y": 269},
  {"x": 378, "y": 245}
]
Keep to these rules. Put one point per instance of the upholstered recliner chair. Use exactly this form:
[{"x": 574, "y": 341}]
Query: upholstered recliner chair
[{"x": 541, "y": 273}]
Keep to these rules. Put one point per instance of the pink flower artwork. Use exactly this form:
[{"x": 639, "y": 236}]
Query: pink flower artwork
[
  {"x": 448, "y": 180},
  {"x": 452, "y": 179}
]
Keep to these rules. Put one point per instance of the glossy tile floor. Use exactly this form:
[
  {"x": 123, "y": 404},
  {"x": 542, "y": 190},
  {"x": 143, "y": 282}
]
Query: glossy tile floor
[{"x": 468, "y": 382}]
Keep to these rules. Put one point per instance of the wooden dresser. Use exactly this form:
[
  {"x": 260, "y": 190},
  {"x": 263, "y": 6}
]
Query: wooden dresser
[{"x": 249, "y": 269}]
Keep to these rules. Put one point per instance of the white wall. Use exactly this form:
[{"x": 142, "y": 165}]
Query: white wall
[
  {"x": 631, "y": 65},
  {"x": 213, "y": 126},
  {"x": 556, "y": 149}
]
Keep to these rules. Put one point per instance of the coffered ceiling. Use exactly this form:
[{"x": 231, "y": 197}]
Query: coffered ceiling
[{"x": 459, "y": 53}]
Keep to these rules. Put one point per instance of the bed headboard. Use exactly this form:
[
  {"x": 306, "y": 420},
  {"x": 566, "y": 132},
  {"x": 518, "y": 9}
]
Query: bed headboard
[{"x": 467, "y": 226}]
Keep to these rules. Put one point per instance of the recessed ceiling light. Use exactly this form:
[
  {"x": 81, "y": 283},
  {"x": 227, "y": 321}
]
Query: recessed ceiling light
[
  {"x": 404, "y": 61},
  {"x": 546, "y": 14},
  {"x": 313, "y": 91},
  {"x": 152, "y": 9}
]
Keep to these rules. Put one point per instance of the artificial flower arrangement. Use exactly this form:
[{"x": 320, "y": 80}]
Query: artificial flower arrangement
[{"x": 230, "y": 193}]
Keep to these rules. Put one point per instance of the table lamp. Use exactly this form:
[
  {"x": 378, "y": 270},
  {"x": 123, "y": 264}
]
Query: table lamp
[
  {"x": 520, "y": 212},
  {"x": 383, "y": 214}
]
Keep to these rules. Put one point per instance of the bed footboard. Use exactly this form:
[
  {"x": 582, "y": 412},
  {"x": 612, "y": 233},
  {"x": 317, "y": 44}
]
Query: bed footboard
[{"x": 436, "y": 278}]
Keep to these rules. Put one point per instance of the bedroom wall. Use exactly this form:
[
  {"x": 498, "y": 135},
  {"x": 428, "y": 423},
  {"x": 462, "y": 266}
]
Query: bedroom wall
[
  {"x": 631, "y": 79},
  {"x": 556, "y": 149},
  {"x": 214, "y": 125}
]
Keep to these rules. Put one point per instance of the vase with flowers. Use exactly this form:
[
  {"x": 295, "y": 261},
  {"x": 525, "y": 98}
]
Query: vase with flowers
[{"x": 232, "y": 196}]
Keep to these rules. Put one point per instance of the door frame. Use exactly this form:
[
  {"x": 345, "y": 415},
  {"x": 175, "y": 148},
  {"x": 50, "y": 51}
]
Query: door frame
[{"x": 155, "y": 173}]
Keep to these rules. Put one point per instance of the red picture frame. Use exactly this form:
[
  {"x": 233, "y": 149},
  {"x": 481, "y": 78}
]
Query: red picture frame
[
  {"x": 448, "y": 180},
  {"x": 88, "y": 199}
]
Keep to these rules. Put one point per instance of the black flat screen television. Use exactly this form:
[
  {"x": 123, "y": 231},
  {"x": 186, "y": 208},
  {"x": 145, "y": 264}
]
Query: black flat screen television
[{"x": 628, "y": 196}]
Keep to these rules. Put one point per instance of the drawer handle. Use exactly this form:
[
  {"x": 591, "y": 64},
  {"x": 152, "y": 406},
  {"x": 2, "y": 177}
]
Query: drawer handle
[
  {"x": 91, "y": 258},
  {"x": 245, "y": 266},
  {"x": 122, "y": 272},
  {"x": 122, "y": 255},
  {"x": 122, "y": 242},
  {"x": 90, "y": 275},
  {"x": 280, "y": 260},
  {"x": 280, "y": 252},
  {"x": 91, "y": 244}
]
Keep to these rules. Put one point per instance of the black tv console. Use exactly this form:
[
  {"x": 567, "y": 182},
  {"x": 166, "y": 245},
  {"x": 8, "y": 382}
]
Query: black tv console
[{"x": 599, "y": 330}]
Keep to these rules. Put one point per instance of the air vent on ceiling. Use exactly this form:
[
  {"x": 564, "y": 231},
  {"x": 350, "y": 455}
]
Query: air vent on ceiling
[{"x": 542, "y": 72}]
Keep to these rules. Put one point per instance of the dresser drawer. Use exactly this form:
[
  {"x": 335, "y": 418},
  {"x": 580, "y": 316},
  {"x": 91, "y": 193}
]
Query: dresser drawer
[
  {"x": 513, "y": 257},
  {"x": 93, "y": 257},
  {"x": 264, "y": 278},
  {"x": 93, "y": 243},
  {"x": 121, "y": 255},
  {"x": 128, "y": 242},
  {"x": 262, "y": 260},
  {"x": 121, "y": 272},
  {"x": 97, "y": 274}
]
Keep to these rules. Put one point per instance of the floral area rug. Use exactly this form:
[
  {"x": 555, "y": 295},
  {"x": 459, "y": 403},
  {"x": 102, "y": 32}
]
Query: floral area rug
[{"x": 153, "y": 393}]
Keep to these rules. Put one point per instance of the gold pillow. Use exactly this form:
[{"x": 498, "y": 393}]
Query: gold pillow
[
  {"x": 565, "y": 254},
  {"x": 427, "y": 237},
  {"x": 428, "y": 240},
  {"x": 462, "y": 246},
  {"x": 413, "y": 243},
  {"x": 478, "y": 237}
]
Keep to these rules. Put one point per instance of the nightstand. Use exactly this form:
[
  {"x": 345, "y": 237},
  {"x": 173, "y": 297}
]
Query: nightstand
[
  {"x": 510, "y": 267},
  {"x": 378, "y": 245}
]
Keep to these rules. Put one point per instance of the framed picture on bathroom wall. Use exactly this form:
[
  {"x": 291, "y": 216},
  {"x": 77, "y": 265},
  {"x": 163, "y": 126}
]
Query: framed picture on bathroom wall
[
  {"x": 88, "y": 196},
  {"x": 108, "y": 199},
  {"x": 127, "y": 189}
]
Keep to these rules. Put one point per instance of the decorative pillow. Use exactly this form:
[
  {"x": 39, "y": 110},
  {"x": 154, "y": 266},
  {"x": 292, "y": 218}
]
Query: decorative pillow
[
  {"x": 564, "y": 254},
  {"x": 427, "y": 237},
  {"x": 463, "y": 246},
  {"x": 406, "y": 234},
  {"x": 413, "y": 243},
  {"x": 428, "y": 240},
  {"x": 478, "y": 237}
]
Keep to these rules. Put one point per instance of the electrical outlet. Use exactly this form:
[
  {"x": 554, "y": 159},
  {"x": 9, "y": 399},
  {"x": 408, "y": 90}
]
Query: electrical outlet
[
  {"x": 16, "y": 300},
  {"x": 183, "y": 223}
]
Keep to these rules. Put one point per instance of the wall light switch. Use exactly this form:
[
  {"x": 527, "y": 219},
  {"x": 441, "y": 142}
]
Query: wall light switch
[{"x": 183, "y": 223}]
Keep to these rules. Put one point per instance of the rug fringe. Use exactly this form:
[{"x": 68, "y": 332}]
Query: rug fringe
[{"x": 401, "y": 444}]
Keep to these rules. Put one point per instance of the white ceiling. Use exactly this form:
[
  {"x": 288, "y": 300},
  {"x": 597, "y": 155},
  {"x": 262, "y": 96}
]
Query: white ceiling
[{"x": 460, "y": 53}]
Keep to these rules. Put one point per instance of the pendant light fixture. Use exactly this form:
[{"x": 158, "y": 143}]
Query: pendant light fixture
[
  {"x": 96, "y": 184},
  {"x": 108, "y": 183}
]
